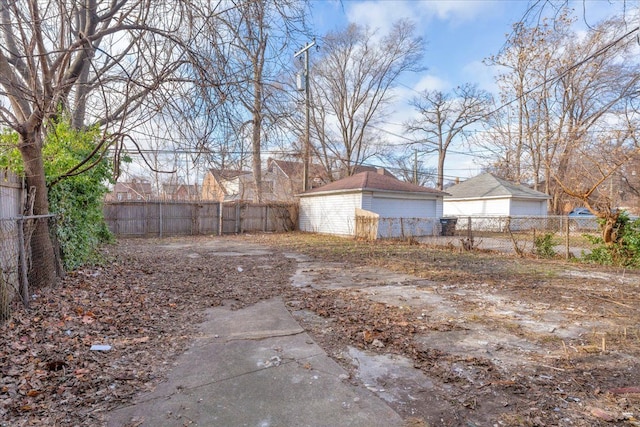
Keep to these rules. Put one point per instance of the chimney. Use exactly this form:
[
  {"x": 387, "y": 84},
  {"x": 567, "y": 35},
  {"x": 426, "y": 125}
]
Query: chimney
[
  {"x": 457, "y": 180},
  {"x": 380, "y": 171}
]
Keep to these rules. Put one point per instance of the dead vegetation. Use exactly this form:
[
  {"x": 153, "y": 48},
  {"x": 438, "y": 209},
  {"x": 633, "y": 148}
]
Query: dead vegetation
[
  {"x": 562, "y": 341},
  {"x": 559, "y": 342}
]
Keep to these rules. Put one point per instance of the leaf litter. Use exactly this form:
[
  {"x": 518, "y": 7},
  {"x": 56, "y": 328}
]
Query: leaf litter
[{"x": 146, "y": 302}]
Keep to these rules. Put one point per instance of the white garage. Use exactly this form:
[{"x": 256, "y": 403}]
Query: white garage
[
  {"x": 488, "y": 195},
  {"x": 331, "y": 209}
]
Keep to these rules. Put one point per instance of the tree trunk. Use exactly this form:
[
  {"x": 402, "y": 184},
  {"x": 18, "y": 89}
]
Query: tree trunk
[
  {"x": 42, "y": 271},
  {"x": 256, "y": 159},
  {"x": 441, "y": 157}
]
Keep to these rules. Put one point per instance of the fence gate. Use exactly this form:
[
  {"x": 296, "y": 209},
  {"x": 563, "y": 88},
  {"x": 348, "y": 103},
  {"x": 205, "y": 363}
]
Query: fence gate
[{"x": 231, "y": 218}]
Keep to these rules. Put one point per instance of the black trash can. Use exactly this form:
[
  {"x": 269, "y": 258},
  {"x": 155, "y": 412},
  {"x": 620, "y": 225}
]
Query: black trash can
[{"x": 448, "y": 226}]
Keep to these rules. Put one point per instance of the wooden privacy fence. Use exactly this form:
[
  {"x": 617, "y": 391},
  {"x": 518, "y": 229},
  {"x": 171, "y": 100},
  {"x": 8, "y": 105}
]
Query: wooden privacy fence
[
  {"x": 174, "y": 218},
  {"x": 370, "y": 226}
]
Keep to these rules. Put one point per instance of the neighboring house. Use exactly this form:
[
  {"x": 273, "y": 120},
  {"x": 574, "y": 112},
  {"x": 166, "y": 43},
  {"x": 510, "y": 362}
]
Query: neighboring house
[
  {"x": 180, "y": 192},
  {"x": 283, "y": 179},
  {"x": 331, "y": 209},
  {"x": 227, "y": 185},
  {"x": 488, "y": 195},
  {"x": 138, "y": 189},
  {"x": 363, "y": 168}
]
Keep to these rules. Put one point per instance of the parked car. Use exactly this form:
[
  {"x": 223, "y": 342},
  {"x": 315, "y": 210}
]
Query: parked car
[{"x": 582, "y": 219}]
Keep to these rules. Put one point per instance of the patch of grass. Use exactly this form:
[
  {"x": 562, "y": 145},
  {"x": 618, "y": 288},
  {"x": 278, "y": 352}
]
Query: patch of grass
[{"x": 438, "y": 264}]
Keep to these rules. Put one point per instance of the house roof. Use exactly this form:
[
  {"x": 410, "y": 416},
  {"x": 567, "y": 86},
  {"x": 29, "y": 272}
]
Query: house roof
[
  {"x": 295, "y": 169},
  {"x": 490, "y": 186},
  {"x": 136, "y": 187},
  {"x": 191, "y": 189},
  {"x": 363, "y": 168},
  {"x": 373, "y": 181},
  {"x": 227, "y": 174}
]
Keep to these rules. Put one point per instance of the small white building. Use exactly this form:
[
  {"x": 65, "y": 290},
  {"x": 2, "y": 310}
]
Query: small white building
[
  {"x": 331, "y": 209},
  {"x": 488, "y": 195}
]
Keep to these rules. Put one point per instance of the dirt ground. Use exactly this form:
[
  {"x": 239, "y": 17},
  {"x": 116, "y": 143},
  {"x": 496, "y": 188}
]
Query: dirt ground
[{"x": 447, "y": 338}]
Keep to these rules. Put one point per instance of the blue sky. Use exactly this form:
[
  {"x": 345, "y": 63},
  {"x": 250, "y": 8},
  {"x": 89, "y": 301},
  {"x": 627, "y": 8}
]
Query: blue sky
[{"x": 459, "y": 35}]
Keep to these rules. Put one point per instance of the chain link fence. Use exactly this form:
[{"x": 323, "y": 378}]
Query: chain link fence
[
  {"x": 18, "y": 257},
  {"x": 543, "y": 236},
  {"x": 547, "y": 236}
]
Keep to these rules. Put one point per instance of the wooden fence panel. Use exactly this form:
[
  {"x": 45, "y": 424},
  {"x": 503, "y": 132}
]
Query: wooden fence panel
[
  {"x": 231, "y": 218},
  {"x": 209, "y": 217},
  {"x": 254, "y": 217},
  {"x": 11, "y": 194},
  {"x": 158, "y": 219},
  {"x": 154, "y": 218}
]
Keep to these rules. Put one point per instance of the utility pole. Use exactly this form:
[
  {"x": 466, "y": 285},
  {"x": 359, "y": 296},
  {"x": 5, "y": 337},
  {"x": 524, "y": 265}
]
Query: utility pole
[
  {"x": 305, "y": 160},
  {"x": 415, "y": 166}
]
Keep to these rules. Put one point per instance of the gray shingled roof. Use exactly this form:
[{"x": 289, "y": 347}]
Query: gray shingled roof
[
  {"x": 489, "y": 186},
  {"x": 373, "y": 181}
]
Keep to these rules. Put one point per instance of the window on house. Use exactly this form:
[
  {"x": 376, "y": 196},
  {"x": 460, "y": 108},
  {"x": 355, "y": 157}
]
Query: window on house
[
  {"x": 128, "y": 196},
  {"x": 120, "y": 196}
]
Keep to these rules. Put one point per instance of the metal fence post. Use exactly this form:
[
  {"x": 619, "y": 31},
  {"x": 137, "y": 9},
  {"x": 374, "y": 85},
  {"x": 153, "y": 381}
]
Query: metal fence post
[
  {"x": 22, "y": 253},
  {"x": 238, "y": 220},
  {"x": 265, "y": 226},
  {"x": 160, "y": 225},
  {"x": 567, "y": 253}
]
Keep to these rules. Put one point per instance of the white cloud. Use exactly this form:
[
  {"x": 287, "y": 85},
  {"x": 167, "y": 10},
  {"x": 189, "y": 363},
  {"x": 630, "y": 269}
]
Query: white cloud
[
  {"x": 381, "y": 14},
  {"x": 484, "y": 76},
  {"x": 431, "y": 82}
]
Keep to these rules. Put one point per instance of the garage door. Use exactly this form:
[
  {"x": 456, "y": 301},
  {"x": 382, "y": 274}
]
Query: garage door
[
  {"x": 527, "y": 208},
  {"x": 403, "y": 208}
]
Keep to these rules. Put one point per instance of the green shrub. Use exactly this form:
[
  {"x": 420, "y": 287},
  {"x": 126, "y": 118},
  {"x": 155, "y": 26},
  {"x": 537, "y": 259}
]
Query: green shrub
[
  {"x": 76, "y": 199},
  {"x": 624, "y": 251},
  {"x": 543, "y": 245}
]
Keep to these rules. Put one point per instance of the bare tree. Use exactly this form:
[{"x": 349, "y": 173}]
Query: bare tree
[
  {"x": 445, "y": 118},
  {"x": 351, "y": 83},
  {"x": 99, "y": 60},
  {"x": 575, "y": 94},
  {"x": 245, "y": 45},
  {"x": 411, "y": 168},
  {"x": 516, "y": 127}
]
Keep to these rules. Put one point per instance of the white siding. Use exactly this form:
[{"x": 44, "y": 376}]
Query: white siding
[
  {"x": 439, "y": 207},
  {"x": 393, "y": 207},
  {"x": 406, "y": 207},
  {"x": 367, "y": 199},
  {"x": 528, "y": 207},
  {"x": 330, "y": 213},
  {"x": 477, "y": 207}
]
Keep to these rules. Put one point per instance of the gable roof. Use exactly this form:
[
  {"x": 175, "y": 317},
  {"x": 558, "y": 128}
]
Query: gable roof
[
  {"x": 296, "y": 169},
  {"x": 190, "y": 189},
  {"x": 228, "y": 174},
  {"x": 372, "y": 181},
  {"x": 488, "y": 185},
  {"x": 141, "y": 188},
  {"x": 364, "y": 168}
]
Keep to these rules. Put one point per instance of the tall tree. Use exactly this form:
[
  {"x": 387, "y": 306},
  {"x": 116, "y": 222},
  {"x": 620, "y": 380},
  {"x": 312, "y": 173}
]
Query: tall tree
[
  {"x": 445, "y": 118},
  {"x": 412, "y": 168},
  {"x": 576, "y": 97},
  {"x": 245, "y": 44},
  {"x": 352, "y": 79},
  {"x": 100, "y": 60},
  {"x": 516, "y": 126}
]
